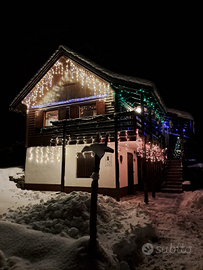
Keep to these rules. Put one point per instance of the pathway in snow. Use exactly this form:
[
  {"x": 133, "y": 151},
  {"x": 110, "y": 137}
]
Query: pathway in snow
[{"x": 179, "y": 231}]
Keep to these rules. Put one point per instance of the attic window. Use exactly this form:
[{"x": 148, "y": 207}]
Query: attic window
[{"x": 51, "y": 116}]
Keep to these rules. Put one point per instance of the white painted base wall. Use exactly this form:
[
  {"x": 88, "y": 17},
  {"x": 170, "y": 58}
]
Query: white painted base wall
[{"x": 43, "y": 166}]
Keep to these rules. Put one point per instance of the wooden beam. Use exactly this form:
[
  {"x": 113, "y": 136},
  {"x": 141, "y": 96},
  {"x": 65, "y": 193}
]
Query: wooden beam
[
  {"x": 116, "y": 162},
  {"x": 144, "y": 167},
  {"x": 63, "y": 163}
]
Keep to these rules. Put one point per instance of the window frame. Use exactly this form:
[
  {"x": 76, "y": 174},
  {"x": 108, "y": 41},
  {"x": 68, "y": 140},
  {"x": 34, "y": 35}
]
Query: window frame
[{"x": 45, "y": 113}]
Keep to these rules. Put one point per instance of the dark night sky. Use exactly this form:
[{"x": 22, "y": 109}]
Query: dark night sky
[{"x": 164, "y": 46}]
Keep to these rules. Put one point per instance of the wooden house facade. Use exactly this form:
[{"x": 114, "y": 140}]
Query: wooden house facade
[{"x": 70, "y": 101}]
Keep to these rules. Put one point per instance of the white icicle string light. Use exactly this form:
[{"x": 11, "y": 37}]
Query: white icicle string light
[
  {"x": 76, "y": 154},
  {"x": 127, "y": 139},
  {"x": 52, "y": 154},
  {"x": 139, "y": 144},
  {"x": 58, "y": 153},
  {"x": 47, "y": 154},
  {"x": 37, "y": 153},
  {"x": 119, "y": 140},
  {"x": 71, "y": 73},
  {"x": 41, "y": 155},
  {"x": 31, "y": 153}
]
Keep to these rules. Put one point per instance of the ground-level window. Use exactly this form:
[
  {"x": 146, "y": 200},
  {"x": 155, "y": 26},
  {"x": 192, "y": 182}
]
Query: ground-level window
[
  {"x": 85, "y": 165},
  {"x": 51, "y": 116}
]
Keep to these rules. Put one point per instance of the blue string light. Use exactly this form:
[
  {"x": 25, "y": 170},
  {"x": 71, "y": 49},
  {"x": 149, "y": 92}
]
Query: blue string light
[{"x": 68, "y": 101}]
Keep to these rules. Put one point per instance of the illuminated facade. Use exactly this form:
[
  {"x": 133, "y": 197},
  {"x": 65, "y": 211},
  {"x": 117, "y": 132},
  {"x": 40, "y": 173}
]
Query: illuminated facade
[{"x": 90, "y": 99}]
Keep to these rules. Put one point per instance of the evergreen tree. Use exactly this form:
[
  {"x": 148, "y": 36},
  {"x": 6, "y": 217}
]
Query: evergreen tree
[{"x": 177, "y": 149}]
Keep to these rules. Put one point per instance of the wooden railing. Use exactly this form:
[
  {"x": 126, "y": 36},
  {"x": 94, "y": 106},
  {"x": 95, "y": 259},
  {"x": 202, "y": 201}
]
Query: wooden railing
[{"x": 81, "y": 129}]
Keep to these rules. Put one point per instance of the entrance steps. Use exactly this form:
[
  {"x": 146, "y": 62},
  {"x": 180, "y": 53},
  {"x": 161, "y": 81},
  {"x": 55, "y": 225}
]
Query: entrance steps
[{"x": 174, "y": 176}]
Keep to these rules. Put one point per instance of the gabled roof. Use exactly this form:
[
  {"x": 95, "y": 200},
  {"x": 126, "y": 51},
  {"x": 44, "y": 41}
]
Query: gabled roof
[
  {"x": 180, "y": 114},
  {"x": 109, "y": 76}
]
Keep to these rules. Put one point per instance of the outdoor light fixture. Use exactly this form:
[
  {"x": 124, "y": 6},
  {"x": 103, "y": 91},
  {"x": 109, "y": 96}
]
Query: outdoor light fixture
[{"x": 138, "y": 109}]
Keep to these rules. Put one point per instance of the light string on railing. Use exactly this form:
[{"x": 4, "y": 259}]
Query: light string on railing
[{"x": 139, "y": 142}]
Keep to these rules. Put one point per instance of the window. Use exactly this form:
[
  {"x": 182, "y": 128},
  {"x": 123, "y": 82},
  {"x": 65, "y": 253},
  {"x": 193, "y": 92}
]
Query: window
[
  {"x": 51, "y": 116},
  {"x": 88, "y": 110},
  {"x": 85, "y": 165}
]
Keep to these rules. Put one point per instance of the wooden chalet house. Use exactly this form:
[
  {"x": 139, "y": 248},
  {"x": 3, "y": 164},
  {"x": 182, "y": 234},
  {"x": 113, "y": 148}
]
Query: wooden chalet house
[{"x": 70, "y": 100}]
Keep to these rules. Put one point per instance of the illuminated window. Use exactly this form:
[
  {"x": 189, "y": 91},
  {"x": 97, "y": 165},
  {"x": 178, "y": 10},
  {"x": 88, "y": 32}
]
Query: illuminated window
[
  {"x": 88, "y": 110},
  {"x": 51, "y": 116}
]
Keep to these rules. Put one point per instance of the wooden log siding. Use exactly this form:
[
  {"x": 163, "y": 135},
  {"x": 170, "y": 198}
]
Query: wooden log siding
[{"x": 36, "y": 119}]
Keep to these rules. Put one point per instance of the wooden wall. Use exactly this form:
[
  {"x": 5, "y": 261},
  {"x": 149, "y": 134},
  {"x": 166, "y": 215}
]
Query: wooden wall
[{"x": 36, "y": 119}]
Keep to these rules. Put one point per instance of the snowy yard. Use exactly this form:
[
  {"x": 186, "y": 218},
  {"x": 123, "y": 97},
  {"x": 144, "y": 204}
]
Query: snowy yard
[{"x": 48, "y": 230}]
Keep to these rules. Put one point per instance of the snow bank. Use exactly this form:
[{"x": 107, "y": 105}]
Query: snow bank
[
  {"x": 53, "y": 230},
  {"x": 5, "y": 184},
  {"x": 12, "y": 197},
  {"x": 121, "y": 228},
  {"x": 193, "y": 199},
  {"x": 69, "y": 213},
  {"x": 35, "y": 250},
  {"x": 198, "y": 165}
]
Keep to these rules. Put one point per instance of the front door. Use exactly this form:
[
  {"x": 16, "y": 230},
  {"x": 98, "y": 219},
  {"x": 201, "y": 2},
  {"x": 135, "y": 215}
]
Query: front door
[{"x": 130, "y": 174}]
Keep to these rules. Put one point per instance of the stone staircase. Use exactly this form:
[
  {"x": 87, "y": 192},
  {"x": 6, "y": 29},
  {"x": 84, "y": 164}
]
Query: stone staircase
[{"x": 174, "y": 176}]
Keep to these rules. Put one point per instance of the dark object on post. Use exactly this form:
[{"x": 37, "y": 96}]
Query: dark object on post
[{"x": 99, "y": 151}]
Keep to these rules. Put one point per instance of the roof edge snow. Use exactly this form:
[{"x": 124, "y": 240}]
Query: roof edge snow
[
  {"x": 109, "y": 76},
  {"x": 181, "y": 114}
]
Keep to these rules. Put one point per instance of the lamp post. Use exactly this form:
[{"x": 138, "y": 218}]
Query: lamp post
[{"x": 99, "y": 150}]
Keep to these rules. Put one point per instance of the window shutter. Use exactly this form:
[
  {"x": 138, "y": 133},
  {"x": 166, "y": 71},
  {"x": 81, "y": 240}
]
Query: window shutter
[
  {"x": 84, "y": 165},
  {"x": 100, "y": 105},
  {"x": 62, "y": 113},
  {"x": 74, "y": 111},
  {"x": 89, "y": 165},
  {"x": 80, "y": 165},
  {"x": 39, "y": 115}
]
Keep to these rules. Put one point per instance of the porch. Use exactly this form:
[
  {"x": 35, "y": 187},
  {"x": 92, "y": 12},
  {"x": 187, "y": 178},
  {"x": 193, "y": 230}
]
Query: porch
[{"x": 127, "y": 130}]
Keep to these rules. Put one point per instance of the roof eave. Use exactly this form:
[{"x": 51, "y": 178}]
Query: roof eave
[{"x": 109, "y": 76}]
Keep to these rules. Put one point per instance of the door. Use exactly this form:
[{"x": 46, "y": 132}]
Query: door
[{"x": 130, "y": 174}]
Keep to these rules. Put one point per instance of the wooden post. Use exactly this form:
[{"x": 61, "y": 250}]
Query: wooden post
[
  {"x": 153, "y": 172},
  {"x": 93, "y": 210},
  {"x": 144, "y": 153},
  {"x": 116, "y": 162},
  {"x": 150, "y": 124},
  {"x": 182, "y": 148},
  {"x": 63, "y": 158}
]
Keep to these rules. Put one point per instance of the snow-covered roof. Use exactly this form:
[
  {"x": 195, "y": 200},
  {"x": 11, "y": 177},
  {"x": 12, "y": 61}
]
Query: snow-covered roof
[
  {"x": 181, "y": 114},
  {"x": 109, "y": 76}
]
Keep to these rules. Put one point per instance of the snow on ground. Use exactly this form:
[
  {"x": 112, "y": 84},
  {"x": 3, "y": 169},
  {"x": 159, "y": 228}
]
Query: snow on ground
[
  {"x": 11, "y": 197},
  {"x": 47, "y": 230},
  {"x": 178, "y": 219},
  {"x": 53, "y": 230}
]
